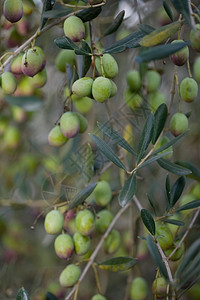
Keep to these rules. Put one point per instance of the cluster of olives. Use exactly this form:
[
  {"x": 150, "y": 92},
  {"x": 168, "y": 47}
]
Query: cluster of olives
[{"x": 75, "y": 230}]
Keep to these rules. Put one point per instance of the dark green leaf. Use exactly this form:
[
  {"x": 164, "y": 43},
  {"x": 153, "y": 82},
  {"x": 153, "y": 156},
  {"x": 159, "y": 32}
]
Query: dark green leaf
[
  {"x": 83, "y": 195},
  {"x": 48, "y": 5},
  {"x": 28, "y": 103},
  {"x": 148, "y": 221},
  {"x": 177, "y": 190},
  {"x": 152, "y": 159},
  {"x": 145, "y": 137},
  {"x": 168, "y": 10},
  {"x": 107, "y": 151},
  {"x": 56, "y": 13},
  {"x": 156, "y": 256},
  {"x": 116, "y": 137},
  {"x": 175, "y": 222},
  {"x": 117, "y": 264},
  {"x": 50, "y": 296},
  {"x": 170, "y": 143},
  {"x": 195, "y": 171},
  {"x": 22, "y": 294},
  {"x": 116, "y": 23},
  {"x": 173, "y": 168},
  {"x": 188, "y": 257},
  {"x": 159, "y": 52},
  {"x": 160, "y": 119},
  {"x": 182, "y": 8},
  {"x": 168, "y": 188},
  {"x": 86, "y": 59},
  {"x": 66, "y": 43},
  {"x": 190, "y": 205},
  {"x": 128, "y": 191},
  {"x": 130, "y": 41},
  {"x": 88, "y": 14},
  {"x": 151, "y": 203},
  {"x": 146, "y": 28}
]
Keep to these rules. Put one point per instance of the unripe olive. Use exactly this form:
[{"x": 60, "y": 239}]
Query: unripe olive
[
  {"x": 159, "y": 288},
  {"x": 155, "y": 100},
  {"x": 195, "y": 38},
  {"x": 64, "y": 246},
  {"x": 98, "y": 297},
  {"x": 153, "y": 81},
  {"x": 16, "y": 65},
  {"x": 69, "y": 124},
  {"x": 166, "y": 241},
  {"x": 4, "y": 121},
  {"x": 195, "y": 191},
  {"x": 29, "y": 6},
  {"x": 64, "y": 57},
  {"x": 31, "y": 62},
  {"x": 112, "y": 242},
  {"x": 11, "y": 137},
  {"x": 13, "y": 10},
  {"x": 54, "y": 221},
  {"x": 81, "y": 243},
  {"x": 102, "y": 193},
  {"x": 70, "y": 275},
  {"x": 74, "y": 28},
  {"x": 133, "y": 80},
  {"x": 188, "y": 89},
  {"x": 40, "y": 79},
  {"x": 41, "y": 53},
  {"x": 103, "y": 220},
  {"x": 83, "y": 123},
  {"x": 18, "y": 114},
  {"x": 109, "y": 64},
  {"x": 138, "y": 289},
  {"x": 180, "y": 57},
  {"x": 196, "y": 69},
  {"x": 142, "y": 250},
  {"x": 163, "y": 141},
  {"x": 178, "y": 124},
  {"x": 132, "y": 99},
  {"x": 8, "y": 83},
  {"x": 56, "y": 138},
  {"x": 84, "y": 104},
  {"x": 85, "y": 222},
  {"x": 178, "y": 253},
  {"x": 23, "y": 26},
  {"x": 101, "y": 89},
  {"x": 82, "y": 87},
  {"x": 113, "y": 89}
]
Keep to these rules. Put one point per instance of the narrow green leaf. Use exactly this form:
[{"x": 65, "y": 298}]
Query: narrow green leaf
[
  {"x": 168, "y": 10},
  {"x": 151, "y": 203},
  {"x": 48, "y": 5},
  {"x": 193, "y": 168},
  {"x": 177, "y": 190},
  {"x": 88, "y": 14},
  {"x": 86, "y": 58},
  {"x": 117, "y": 264},
  {"x": 22, "y": 294},
  {"x": 56, "y": 13},
  {"x": 190, "y": 205},
  {"x": 152, "y": 159},
  {"x": 173, "y": 168},
  {"x": 107, "y": 151},
  {"x": 182, "y": 7},
  {"x": 130, "y": 41},
  {"x": 148, "y": 221},
  {"x": 145, "y": 137},
  {"x": 168, "y": 188},
  {"x": 174, "y": 222},
  {"x": 146, "y": 28},
  {"x": 116, "y": 23},
  {"x": 188, "y": 257},
  {"x": 67, "y": 43},
  {"x": 156, "y": 256},
  {"x": 128, "y": 191},
  {"x": 83, "y": 195},
  {"x": 116, "y": 137},
  {"x": 160, "y": 119},
  {"x": 170, "y": 143},
  {"x": 28, "y": 103},
  {"x": 159, "y": 52},
  {"x": 50, "y": 296}
]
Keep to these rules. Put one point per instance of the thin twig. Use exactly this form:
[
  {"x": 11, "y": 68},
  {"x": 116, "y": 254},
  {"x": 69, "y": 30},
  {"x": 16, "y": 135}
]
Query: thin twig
[
  {"x": 94, "y": 254},
  {"x": 137, "y": 202},
  {"x": 191, "y": 15}
]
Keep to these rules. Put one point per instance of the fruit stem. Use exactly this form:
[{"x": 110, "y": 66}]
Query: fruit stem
[
  {"x": 97, "y": 278},
  {"x": 189, "y": 69}
]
